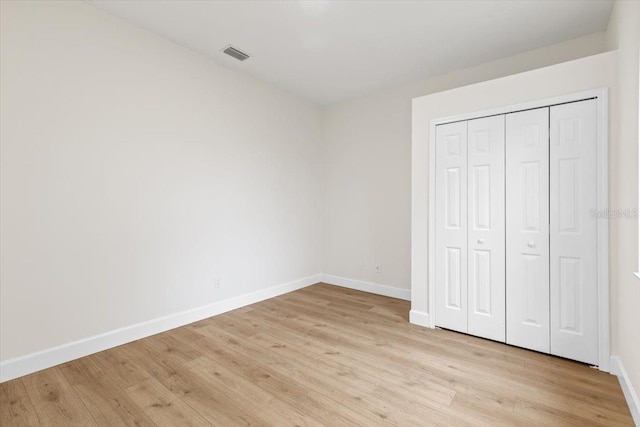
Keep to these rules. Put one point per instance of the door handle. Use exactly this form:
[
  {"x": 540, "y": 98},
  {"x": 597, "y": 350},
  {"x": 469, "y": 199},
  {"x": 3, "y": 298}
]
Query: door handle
[
  {"x": 531, "y": 244},
  {"x": 480, "y": 241}
]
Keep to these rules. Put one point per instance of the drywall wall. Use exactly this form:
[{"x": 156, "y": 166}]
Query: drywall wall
[
  {"x": 367, "y": 157},
  {"x": 134, "y": 173},
  {"x": 623, "y": 34}
]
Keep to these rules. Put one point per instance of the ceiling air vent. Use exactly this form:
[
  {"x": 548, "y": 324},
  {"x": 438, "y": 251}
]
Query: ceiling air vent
[{"x": 235, "y": 53}]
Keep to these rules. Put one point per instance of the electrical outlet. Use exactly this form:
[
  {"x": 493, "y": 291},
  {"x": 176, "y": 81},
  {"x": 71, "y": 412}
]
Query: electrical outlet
[
  {"x": 378, "y": 268},
  {"x": 216, "y": 283}
]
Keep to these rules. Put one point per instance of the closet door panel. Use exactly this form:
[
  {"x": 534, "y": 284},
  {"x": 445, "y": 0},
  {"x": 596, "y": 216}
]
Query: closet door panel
[
  {"x": 527, "y": 226},
  {"x": 451, "y": 226},
  {"x": 486, "y": 245},
  {"x": 573, "y": 233}
]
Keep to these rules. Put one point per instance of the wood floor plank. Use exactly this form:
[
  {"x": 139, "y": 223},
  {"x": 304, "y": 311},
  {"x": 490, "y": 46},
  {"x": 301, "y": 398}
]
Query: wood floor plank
[
  {"x": 392, "y": 404},
  {"x": 101, "y": 396},
  {"x": 55, "y": 401},
  {"x": 322, "y": 355},
  {"x": 415, "y": 394},
  {"x": 162, "y": 406},
  {"x": 291, "y": 384},
  {"x": 305, "y": 348},
  {"x": 266, "y": 406},
  {"x": 116, "y": 363},
  {"x": 16, "y": 408},
  {"x": 327, "y": 377},
  {"x": 169, "y": 370}
]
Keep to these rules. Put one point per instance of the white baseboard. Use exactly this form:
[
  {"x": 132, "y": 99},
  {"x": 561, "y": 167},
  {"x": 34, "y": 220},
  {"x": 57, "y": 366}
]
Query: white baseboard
[
  {"x": 373, "y": 288},
  {"x": 419, "y": 318},
  {"x": 19, "y": 366},
  {"x": 630, "y": 394}
]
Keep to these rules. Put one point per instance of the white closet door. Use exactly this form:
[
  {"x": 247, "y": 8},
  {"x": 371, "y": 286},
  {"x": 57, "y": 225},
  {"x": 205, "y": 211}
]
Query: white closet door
[
  {"x": 527, "y": 223},
  {"x": 486, "y": 244},
  {"x": 573, "y": 265},
  {"x": 451, "y": 226}
]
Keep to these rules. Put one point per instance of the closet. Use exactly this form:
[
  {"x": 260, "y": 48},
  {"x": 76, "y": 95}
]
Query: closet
[{"x": 515, "y": 240}]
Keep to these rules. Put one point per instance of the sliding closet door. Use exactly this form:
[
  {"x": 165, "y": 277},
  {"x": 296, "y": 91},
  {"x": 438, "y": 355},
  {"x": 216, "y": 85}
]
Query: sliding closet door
[
  {"x": 574, "y": 286},
  {"x": 451, "y": 226},
  {"x": 486, "y": 245},
  {"x": 527, "y": 223}
]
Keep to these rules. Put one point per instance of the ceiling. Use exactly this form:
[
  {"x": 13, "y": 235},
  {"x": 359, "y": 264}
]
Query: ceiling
[{"x": 328, "y": 51}]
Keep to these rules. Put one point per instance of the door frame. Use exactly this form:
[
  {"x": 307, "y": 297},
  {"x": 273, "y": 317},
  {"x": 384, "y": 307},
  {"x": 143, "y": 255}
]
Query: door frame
[{"x": 602, "y": 99}]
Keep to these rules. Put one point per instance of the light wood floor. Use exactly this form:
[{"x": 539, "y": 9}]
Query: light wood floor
[{"x": 319, "y": 356}]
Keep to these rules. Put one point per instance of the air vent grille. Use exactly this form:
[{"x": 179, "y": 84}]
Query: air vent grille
[{"x": 235, "y": 53}]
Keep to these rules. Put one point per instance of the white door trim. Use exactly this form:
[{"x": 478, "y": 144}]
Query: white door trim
[{"x": 602, "y": 96}]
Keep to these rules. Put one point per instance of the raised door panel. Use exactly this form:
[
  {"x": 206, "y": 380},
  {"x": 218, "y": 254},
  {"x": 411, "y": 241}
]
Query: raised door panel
[
  {"x": 573, "y": 231},
  {"x": 527, "y": 225},
  {"x": 451, "y": 226},
  {"x": 452, "y": 283},
  {"x": 486, "y": 238}
]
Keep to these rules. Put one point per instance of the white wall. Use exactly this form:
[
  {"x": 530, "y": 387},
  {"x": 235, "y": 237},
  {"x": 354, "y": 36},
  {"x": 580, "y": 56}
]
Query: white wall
[
  {"x": 134, "y": 172},
  {"x": 367, "y": 156},
  {"x": 624, "y": 34}
]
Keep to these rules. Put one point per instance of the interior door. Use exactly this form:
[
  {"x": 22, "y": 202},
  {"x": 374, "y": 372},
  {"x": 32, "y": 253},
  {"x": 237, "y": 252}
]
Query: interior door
[
  {"x": 573, "y": 231},
  {"x": 486, "y": 228},
  {"x": 527, "y": 224},
  {"x": 451, "y": 226}
]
